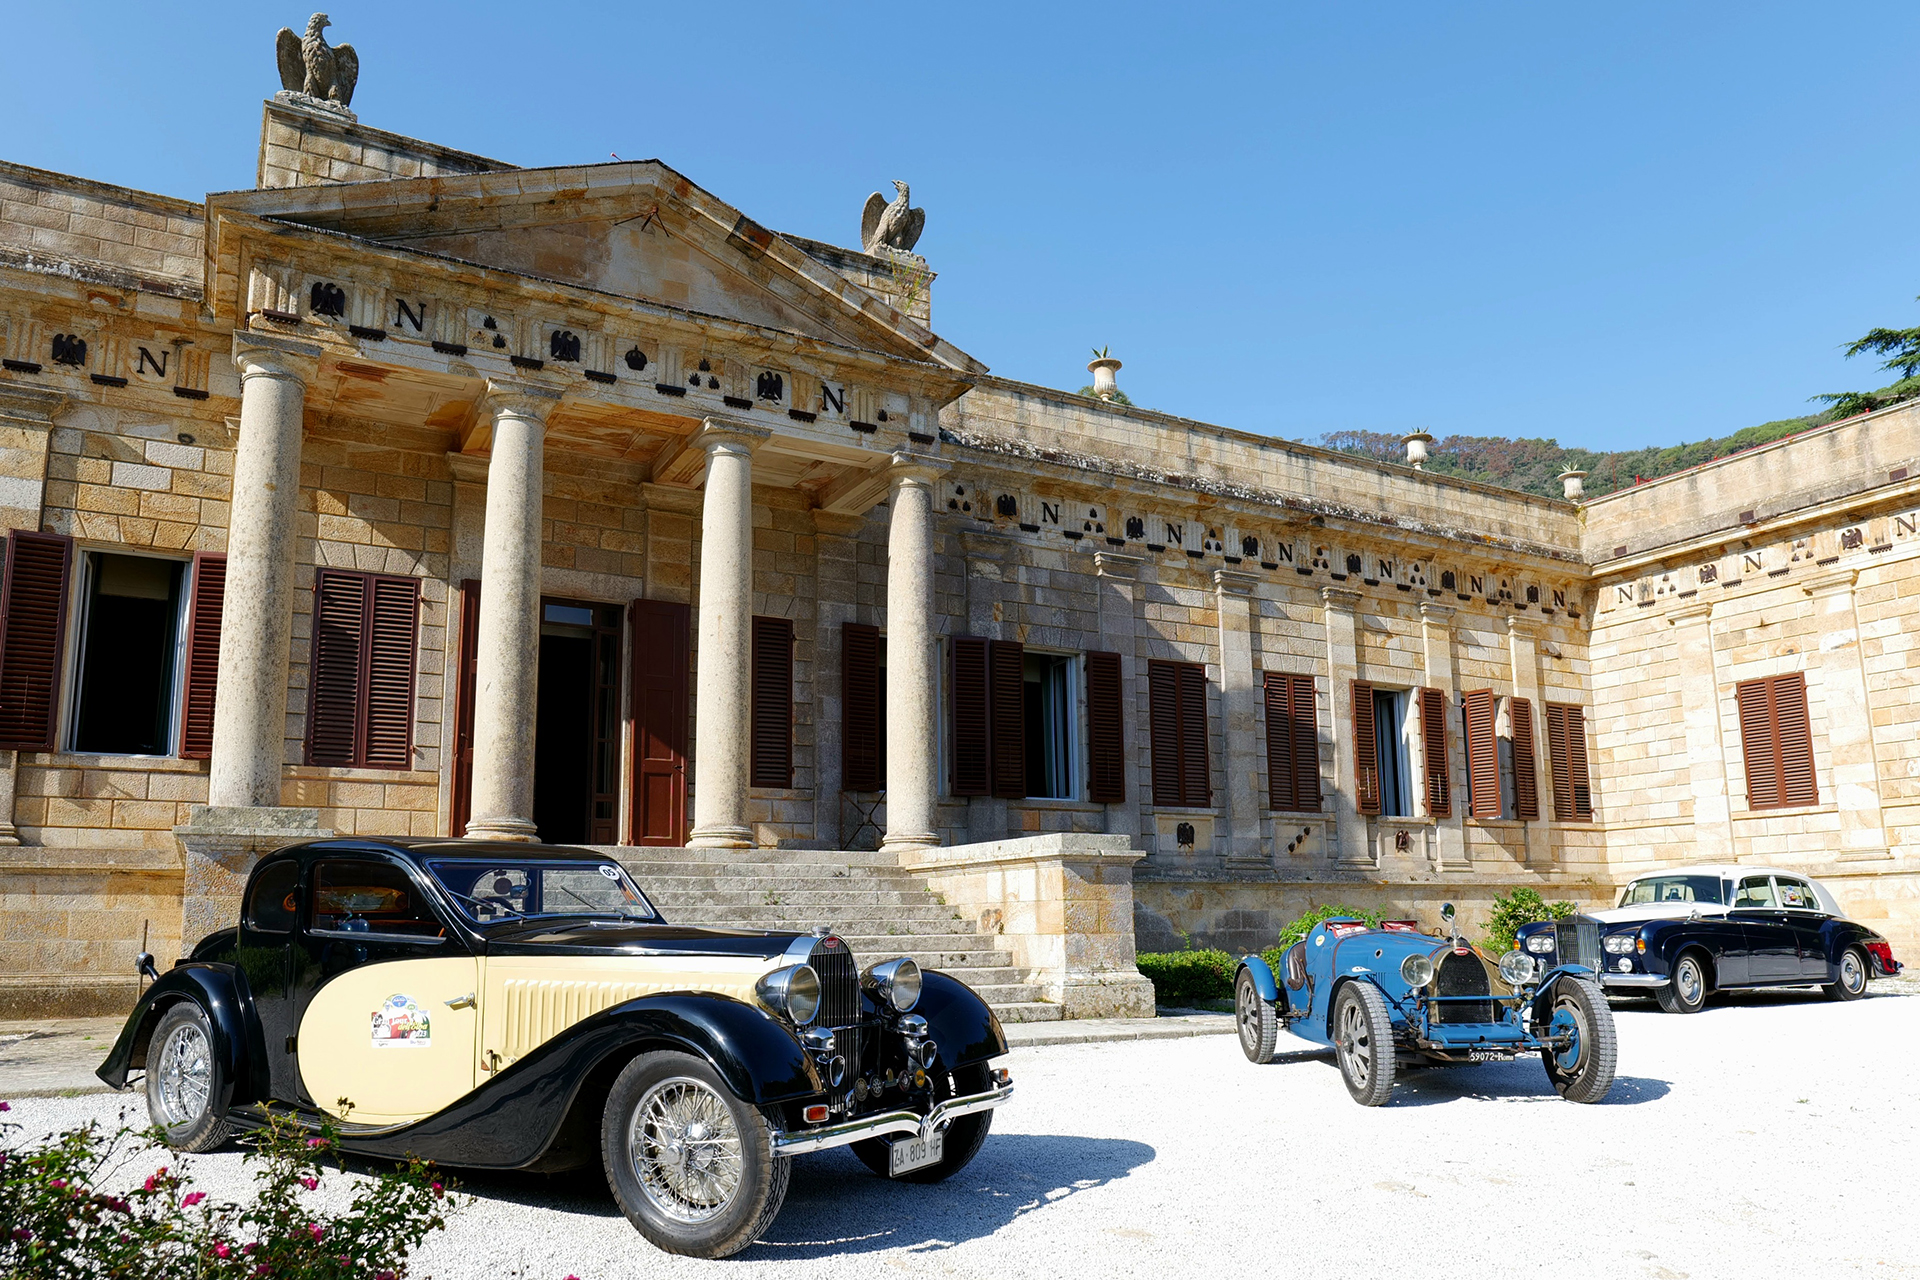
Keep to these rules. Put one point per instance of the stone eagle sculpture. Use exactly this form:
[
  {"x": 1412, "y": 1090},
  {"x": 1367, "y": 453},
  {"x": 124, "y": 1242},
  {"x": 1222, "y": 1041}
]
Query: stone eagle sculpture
[
  {"x": 895, "y": 225},
  {"x": 311, "y": 66}
]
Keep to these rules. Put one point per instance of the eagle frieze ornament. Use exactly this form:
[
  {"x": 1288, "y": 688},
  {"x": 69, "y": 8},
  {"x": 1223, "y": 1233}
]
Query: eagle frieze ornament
[
  {"x": 312, "y": 68},
  {"x": 894, "y": 225}
]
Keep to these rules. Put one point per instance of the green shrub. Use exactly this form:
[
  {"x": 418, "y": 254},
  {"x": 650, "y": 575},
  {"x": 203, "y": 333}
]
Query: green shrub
[
  {"x": 1522, "y": 906},
  {"x": 1185, "y": 977}
]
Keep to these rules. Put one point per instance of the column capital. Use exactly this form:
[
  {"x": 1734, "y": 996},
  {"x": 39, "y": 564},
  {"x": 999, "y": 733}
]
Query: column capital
[
  {"x": 1340, "y": 598},
  {"x": 1234, "y": 582},
  {"x": 467, "y": 468},
  {"x": 508, "y": 399},
  {"x": 1113, "y": 564},
  {"x": 1438, "y": 615},
  {"x": 915, "y": 469},
  {"x": 724, "y": 433},
  {"x": 271, "y": 355},
  {"x": 1832, "y": 583},
  {"x": 1522, "y": 628},
  {"x": 30, "y": 406},
  {"x": 1702, "y": 612}
]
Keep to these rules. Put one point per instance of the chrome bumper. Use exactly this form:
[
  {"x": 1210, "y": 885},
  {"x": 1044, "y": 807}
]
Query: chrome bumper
[
  {"x": 1633, "y": 980},
  {"x": 839, "y": 1135}
]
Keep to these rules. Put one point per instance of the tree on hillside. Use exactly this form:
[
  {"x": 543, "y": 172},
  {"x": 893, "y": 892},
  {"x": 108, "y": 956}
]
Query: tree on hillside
[{"x": 1902, "y": 349}]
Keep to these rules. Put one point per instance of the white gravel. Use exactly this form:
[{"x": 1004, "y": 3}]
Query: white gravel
[{"x": 1775, "y": 1136}]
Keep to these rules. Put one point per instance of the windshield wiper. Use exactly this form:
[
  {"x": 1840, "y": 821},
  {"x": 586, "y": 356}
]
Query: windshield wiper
[{"x": 486, "y": 903}]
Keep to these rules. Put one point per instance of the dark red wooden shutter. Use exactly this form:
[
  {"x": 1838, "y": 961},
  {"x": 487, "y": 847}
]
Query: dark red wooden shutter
[
  {"x": 1366, "y": 750},
  {"x": 1282, "y": 790},
  {"x": 1163, "y": 730},
  {"x": 393, "y": 626},
  {"x": 466, "y": 683},
  {"x": 661, "y": 652},
  {"x": 1306, "y": 746},
  {"x": 771, "y": 749},
  {"x": 334, "y": 668},
  {"x": 1433, "y": 747},
  {"x": 1526, "y": 788},
  {"x": 1777, "y": 742},
  {"x": 1007, "y": 717},
  {"x": 1577, "y": 765},
  {"x": 1196, "y": 773},
  {"x": 33, "y": 629},
  {"x": 1106, "y": 733},
  {"x": 203, "y": 655},
  {"x": 1567, "y": 759},
  {"x": 1797, "y": 784},
  {"x": 861, "y": 766},
  {"x": 1483, "y": 754},
  {"x": 967, "y": 694}
]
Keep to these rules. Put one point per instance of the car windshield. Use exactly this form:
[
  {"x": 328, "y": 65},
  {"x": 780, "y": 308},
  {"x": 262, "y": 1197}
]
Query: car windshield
[
  {"x": 1655, "y": 889},
  {"x": 490, "y": 891}
]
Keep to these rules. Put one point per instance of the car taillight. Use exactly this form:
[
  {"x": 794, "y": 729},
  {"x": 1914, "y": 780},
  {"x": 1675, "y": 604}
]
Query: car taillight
[{"x": 1883, "y": 952}]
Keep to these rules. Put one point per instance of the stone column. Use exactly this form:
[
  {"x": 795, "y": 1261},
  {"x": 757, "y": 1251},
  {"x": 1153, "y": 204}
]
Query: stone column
[
  {"x": 1852, "y": 762},
  {"x": 26, "y": 419},
  {"x": 1119, "y": 633},
  {"x": 507, "y": 673},
  {"x": 1343, "y": 667},
  {"x": 723, "y": 692},
  {"x": 836, "y": 603},
  {"x": 912, "y": 682},
  {"x": 989, "y": 555},
  {"x": 1450, "y": 837},
  {"x": 1699, "y": 690},
  {"x": 1240, "y": 712},
  {"x": 1523, "y": 652}
]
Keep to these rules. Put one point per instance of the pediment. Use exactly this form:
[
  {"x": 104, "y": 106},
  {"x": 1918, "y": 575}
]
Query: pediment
[{"x": 631, "y": 229}]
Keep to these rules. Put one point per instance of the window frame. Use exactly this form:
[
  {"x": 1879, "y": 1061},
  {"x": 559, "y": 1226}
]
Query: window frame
[
  {"x": 1769, "y": 718},
  {"x": 1183, "y": 757},
  {"x": 363, "y": 678},
  {"x": 80, "y": 618}
]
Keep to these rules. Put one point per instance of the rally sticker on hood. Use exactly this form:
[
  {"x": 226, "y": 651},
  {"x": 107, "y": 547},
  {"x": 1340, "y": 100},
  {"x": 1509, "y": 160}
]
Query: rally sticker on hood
[{"x": 401, "y": 1023}]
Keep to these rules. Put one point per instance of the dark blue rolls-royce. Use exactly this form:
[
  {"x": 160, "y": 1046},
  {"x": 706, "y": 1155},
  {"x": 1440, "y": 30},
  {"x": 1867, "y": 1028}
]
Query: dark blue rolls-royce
[{"x": 1682, "y": 935}]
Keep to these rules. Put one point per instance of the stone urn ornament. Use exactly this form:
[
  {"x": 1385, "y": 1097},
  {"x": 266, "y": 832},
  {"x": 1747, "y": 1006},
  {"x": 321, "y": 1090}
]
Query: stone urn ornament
[
  {"x": 1572, "y": 483},
  {"x": 1417, "y": 443},
  {"x": 1103, "y": 367}
]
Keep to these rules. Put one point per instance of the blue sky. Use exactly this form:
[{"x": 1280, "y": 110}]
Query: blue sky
[{"x": 1612, "y": 225}]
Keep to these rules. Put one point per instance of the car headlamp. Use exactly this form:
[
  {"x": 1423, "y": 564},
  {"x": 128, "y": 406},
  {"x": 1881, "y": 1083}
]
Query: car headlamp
[
  {"x": 1416, "y": 971},
  {"x": 1516, "y": 968},
  {"x": 894, "y": 982},
  {"x": 794, "y": 992},
  {"x": 1617, "y": 944},
  {"x": 1541, "y": 944}
]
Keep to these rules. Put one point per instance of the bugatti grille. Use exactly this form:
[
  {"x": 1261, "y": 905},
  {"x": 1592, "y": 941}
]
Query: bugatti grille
[
  {"x": 1576, "y": 940},
  {"x": 1462, "y": 975},
  {"x": 839, "y": 998}
]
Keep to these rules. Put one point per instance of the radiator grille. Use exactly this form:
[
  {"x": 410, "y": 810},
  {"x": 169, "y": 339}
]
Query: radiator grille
[
  {"x": 839, "y": 998},
  {"x": 1462, "y": 975},
  {"x": 1576, "y": 940}
]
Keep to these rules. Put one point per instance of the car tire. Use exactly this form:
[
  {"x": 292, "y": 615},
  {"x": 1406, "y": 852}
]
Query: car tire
[
  {"x": 669, "y": 1123},
  {"x": 1853, "y": 977},
  {"x": 1255, "y": 1019},
  {"x": 1588, "y": 1076},
  {"x": 965, "y": 1134},
  {"x": 187, "y": 1087},
  {"x": 1363, "y": 1043},
  {"x": 1686, "y": 990}
]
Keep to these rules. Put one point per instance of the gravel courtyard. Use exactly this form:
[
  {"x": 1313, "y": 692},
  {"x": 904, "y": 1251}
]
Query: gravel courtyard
[{"x": 1765, "y": 1137}]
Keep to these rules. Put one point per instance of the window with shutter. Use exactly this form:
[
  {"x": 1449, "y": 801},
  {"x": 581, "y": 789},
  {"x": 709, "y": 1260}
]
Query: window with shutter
[
  {"x": 33, "y": 628},
  {"x": 1366, "y": 750},
  {"x": 772, "y": 712},
  {"x": 1567, "y": 758},
  {"x": 1196, "y": 781},
  {"x": 1106, "y": 734},
  {"x": 1293, "y": 743},
  {"x": 1006, "y": 718},
  {"x": 862, "y": 708},
  {"x": 203, "y": 655},
  {"x": 1483, "y": 754},
  {"x": 1776, "y": 741},
  {"x": 1177, "y": 733},
  {"x": 967, "y": 693},
  {"x": 1526, "y": 787},
  {"x": 1433, "y": 748},
  {"x": 127, "y": 654},
  {"x": 362, "y": 660}
]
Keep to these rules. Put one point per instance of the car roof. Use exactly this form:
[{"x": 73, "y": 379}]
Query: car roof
[
  {"x": 1726, "y": 870},
  {"x": 505, "y": 850}
]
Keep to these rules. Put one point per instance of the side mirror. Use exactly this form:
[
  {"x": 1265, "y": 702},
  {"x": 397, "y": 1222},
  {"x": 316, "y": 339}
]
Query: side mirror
[
  {"x": 1446, "y": 912},
  {"x": 143, "y": 963}
]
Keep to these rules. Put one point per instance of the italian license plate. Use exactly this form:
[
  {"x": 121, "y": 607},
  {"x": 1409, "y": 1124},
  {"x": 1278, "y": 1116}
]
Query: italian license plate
[
  {"x": 908, "y": 1154},
  {"x": 1489, "y": 1055}
]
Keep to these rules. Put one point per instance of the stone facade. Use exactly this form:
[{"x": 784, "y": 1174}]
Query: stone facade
[{"x": 595, "y": 386}]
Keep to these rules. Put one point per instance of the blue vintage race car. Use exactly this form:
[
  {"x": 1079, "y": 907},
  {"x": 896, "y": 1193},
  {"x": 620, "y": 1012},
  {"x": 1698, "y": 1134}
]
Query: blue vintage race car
[{"x": 1394, "y": 995}]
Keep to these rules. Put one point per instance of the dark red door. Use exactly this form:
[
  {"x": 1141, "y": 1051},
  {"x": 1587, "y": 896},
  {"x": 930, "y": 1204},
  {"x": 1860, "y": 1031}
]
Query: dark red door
[
  {"x": 662, "y": 632},
  {"x": 466, "y": 684}
]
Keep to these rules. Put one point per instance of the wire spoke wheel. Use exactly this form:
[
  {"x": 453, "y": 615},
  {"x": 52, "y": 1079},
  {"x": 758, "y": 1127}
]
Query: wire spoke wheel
[
  {"x": 186, "y": 1076},
  {"x": 686, "y": 1150}
]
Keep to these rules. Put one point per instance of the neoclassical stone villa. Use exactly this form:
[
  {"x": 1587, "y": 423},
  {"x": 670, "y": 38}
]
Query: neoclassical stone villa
[{"x": 413, "y": 493}]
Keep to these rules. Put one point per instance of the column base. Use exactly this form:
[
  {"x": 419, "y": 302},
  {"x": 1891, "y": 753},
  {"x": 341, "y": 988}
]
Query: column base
[
  {"x": 909, "y": 843},
  {"x": 517, "y": 830},
  {"x": 721, "y": 838},
  {"x": 219, "y": 846}
]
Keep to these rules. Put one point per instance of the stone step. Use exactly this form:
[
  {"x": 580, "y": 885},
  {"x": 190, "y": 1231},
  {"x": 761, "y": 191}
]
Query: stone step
[
  {"x": 1000, "y": 995},
  {"x": 1027, "y": 1011},
  {"x": 794, "y": 894},
  {"x": 641, "y": 855},
  {"x": 842, "y": 918},
  {"x": 811, "y": 872}
]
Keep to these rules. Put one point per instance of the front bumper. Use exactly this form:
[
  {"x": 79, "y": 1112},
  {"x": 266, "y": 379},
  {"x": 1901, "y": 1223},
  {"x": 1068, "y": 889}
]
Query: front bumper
[
  {"x": 1638, "y": 981},
  {"x": 887, "y": 1122}
]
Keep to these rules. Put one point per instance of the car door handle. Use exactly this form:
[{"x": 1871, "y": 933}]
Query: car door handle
[{"x": 461, "y": 1002}]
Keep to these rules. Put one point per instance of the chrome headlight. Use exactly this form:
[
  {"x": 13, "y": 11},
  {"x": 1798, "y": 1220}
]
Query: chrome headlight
[
  {"x": 1617, "y": 944},
  {"x": 1416, "y": 971},
  {"x": 1541, "y": 944},
  {"x": 793, "y": 991},
  {"x": 894, "y": 982},
  {"x": 1516, "y": 968}
]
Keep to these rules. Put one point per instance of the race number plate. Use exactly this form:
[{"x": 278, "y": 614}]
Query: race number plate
[
  {"x": 1489, "y": 1055},
  {"x": 907, "y": 1154}
]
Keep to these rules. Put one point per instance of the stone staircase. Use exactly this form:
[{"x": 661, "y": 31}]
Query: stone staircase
[{"x": 868, "y": 901}]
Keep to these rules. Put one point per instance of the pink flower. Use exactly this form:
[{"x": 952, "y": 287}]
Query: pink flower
[
  {"x": 262, "y": 1269},
  {"x": 119, "y": 1206},
  {"x": 5, "y": 1107},
  {"x": 250, "y": 1249},
  {"x": 309, "y": 1183},
  {"x": 316, "y": 1230},
  {"x": 58, "y": 1184},
  {"x": 316, "y": 1142},
  {"x": 222, "y": 1250},
  {"x": 192, "y": 1198},
  {"x": 438, "y": 1191},
  {"x": 21, "y": 1233}
]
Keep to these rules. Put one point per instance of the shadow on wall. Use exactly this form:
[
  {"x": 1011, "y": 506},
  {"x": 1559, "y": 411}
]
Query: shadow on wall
[{"x": 1236, "y": 931}]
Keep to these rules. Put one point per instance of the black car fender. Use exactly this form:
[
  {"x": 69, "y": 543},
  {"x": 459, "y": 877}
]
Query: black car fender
[
  {"x": 216, "y": 989},
  {"x": 959, "y": 1022}
]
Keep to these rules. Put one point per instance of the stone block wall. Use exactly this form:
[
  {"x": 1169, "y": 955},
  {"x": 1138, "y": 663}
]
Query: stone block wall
[{"x": 52, "y": 219}]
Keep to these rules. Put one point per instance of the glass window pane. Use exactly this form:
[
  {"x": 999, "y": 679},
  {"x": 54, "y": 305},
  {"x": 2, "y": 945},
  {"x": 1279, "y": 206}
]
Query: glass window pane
[
  {"x": 369, "y": 897},
  {"x": 271, "y": 904},
  {"x": 129, "y": 631},
  {"x": 1755, "y": 891}
]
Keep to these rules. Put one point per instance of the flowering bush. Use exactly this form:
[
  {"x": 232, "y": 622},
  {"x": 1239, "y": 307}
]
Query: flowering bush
[{"x": 65, "y": 1221}]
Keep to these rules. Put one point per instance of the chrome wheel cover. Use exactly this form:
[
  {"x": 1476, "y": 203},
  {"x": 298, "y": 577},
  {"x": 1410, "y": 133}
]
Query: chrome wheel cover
[
  {"x": 685, "y": 1150},
  {"x": 1247, "y": 1012},
  {"x": 1853, "y": 974},
  {"x": 1356, "y": 1045},
  {"x": 185, "y": 1074},
  {"x": 1688, "y": 982}
]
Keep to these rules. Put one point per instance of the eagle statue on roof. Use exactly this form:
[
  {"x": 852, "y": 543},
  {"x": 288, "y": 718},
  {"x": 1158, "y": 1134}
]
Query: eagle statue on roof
[
  {"x": 895, "y": 225},
  {"x": 311, "y": 66}
]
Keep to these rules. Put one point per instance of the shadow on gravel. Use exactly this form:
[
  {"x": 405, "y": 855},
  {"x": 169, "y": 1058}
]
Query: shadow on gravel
[{"x": 1521, "y": 1081}]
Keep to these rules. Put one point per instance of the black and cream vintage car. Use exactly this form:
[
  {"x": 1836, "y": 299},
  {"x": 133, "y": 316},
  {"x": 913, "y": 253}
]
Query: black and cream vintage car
[{"x": 515, "y": 1006}]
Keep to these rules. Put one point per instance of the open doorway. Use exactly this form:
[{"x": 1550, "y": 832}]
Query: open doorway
[{"x": 576, "y": 766}]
